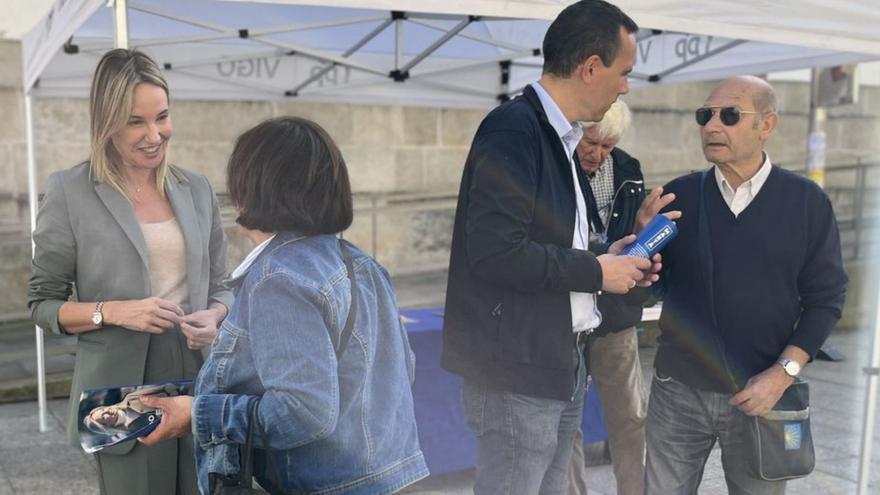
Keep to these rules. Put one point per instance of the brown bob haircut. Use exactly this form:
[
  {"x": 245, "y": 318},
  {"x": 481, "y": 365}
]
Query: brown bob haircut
[{"x": 287, "y": 174}]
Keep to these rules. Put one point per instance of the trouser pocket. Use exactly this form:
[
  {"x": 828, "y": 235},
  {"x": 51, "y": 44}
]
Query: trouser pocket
[{"x": 473, "y": 399}]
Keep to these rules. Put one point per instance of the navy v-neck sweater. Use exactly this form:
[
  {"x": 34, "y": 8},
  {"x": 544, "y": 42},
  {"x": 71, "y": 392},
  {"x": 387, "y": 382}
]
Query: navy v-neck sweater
[{"x": 769, "y": 278}]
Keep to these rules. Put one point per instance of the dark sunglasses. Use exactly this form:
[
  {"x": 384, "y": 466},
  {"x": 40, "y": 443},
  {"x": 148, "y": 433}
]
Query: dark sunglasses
[{"x": 729, "y": 115}]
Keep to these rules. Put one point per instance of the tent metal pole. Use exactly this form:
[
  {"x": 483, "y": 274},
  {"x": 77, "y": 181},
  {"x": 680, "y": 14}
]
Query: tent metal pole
[
  {"x": 300, "y": 50},
  {"x": 398, "y": 43},
  {"x": 476, "y": 63},
  {"x": 176, "y": 17},
  {"x": 472, "y": 37},
  {"x": 870, "y": 409},
  {"x": 357, "y": 46},
  {"x": 487, "y": 17},
  {"x": 437, "y": 44},
  {"x": 120, "y": 24},
  {"x": 32, "y": 208},
  {"x": 235, "y": 33}
]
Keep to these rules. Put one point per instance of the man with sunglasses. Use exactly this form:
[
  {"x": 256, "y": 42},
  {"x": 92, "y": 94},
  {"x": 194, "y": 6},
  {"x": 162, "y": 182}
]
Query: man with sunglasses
[{"x": 754, "y": 284}]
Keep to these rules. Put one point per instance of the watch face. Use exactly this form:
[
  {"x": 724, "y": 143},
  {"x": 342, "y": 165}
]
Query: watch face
[
  {"x": 96, "y": 318},
  {"x": 792, "y": 368}
]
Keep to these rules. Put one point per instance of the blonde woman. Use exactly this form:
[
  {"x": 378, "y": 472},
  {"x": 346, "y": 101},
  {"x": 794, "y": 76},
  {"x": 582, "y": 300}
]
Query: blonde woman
[{"x": 142, "y": 243}]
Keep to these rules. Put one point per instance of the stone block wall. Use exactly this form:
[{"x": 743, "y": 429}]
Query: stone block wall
[
  {"x": 14, "y": 245},
  {"x": 405, "y": 162},
  {"x": 666, "y": 139}
]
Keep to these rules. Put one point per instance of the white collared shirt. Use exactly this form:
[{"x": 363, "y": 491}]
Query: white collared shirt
[
  {"x": 739, "y": 199},
  {"x": 249, "y": 259},
  {"x": 584, "y": 313}
]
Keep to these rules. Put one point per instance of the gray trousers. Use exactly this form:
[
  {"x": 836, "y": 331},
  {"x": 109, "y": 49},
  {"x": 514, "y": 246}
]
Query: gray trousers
[
  {"x": 617, "y": 374},
  {"x": 683, "y": 425},
  {"x": 523, "y": 442},
  {"x": 168, "y": 468},
  {"x": 165, "y": 469}
]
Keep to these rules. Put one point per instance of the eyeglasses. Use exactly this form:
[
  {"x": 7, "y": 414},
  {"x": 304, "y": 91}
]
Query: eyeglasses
[{"x": 729, "y": 115}]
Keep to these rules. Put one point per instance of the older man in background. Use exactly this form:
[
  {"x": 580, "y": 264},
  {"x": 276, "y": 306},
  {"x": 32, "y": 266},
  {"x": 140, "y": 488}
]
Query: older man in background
[{"x": 615, "y": 193}]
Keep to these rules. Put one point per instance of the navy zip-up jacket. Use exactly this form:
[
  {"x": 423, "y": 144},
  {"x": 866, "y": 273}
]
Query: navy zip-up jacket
[{"x": 508, "y": 315}]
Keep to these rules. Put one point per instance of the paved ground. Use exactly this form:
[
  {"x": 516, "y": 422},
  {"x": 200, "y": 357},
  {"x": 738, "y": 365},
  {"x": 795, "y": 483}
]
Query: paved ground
[
  {"x": 838, "y": 397},
  {"x": 33, "y": 463}
]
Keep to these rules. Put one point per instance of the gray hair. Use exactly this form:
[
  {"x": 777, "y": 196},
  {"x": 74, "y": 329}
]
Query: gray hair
[{"x": 615, "y": 122}]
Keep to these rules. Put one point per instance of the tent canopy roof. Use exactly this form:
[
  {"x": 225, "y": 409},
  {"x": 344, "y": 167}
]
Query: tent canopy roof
[
  {"x": 428, "y": 52},
  {"x": 841, "y": 25}
]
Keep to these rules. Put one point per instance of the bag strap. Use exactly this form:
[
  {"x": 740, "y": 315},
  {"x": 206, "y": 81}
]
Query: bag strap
[
  {"x": 595, "y": 221},
  {"x": 704, "y": 248},
  {"x": 246, "y": 477},
  {"x": 349, "y": 322},
  {"x": 246, "y": 452}
]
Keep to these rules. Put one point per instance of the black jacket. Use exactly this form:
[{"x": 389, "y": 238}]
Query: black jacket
[
  {"x": 620, "y": 312},
  {"x": 508, "y": 317}
]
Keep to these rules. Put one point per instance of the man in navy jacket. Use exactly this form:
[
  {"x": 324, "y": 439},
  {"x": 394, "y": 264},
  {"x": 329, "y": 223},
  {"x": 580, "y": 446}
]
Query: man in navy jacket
[
  {"x": 522, "y": 283},
  {"x": 754, "y": 284}
]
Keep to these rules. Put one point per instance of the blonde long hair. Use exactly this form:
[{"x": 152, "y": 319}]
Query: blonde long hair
[{"x": 110, "y": 104}]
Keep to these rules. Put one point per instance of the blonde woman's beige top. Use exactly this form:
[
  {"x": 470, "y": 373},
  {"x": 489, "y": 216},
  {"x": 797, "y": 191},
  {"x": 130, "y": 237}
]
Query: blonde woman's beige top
[{"x": 166, "y": 249}]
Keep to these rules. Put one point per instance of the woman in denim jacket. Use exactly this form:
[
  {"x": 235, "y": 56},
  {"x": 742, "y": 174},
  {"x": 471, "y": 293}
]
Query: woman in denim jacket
[{"x": 325, "y": 425}]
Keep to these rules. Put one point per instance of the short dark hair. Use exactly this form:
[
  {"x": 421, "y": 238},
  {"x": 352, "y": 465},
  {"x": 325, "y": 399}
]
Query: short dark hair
[
  {"x": 583, "y": 29},
  {"x": 288, "y": 174}
]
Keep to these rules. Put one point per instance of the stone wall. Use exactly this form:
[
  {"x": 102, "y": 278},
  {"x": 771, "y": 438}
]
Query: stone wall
[
  {"x": 665, "y": 137},
  {"x": 405, "y": 162},
  {"x": 14, "y": 246}
]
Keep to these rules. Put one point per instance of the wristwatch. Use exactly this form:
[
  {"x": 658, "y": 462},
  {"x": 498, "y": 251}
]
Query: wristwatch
[
  {"x": 792, "y": 368},
  {"x": 98, "y": 316}
]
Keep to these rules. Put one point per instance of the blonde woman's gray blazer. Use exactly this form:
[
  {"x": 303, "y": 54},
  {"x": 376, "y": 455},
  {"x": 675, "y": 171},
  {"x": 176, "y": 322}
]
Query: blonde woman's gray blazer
[{"x": 88, "y": 239}]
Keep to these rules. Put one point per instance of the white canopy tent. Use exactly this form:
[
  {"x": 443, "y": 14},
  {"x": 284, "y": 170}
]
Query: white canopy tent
[
  {"x": 445, "y": 53},
  {"x": 452, "y": 53}
]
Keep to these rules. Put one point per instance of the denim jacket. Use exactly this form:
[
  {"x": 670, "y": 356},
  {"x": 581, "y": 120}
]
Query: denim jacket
[{"x": 345, "y": 427}]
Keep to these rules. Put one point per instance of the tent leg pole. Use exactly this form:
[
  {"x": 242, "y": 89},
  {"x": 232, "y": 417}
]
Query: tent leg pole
[
  {"x": 120, "y": 23},
  {"x": 873, "y": 373},
  {"x": 32, "y": 207},
  {"x": 816, "y": 139},
  {"x": 41, "y": 382}
]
